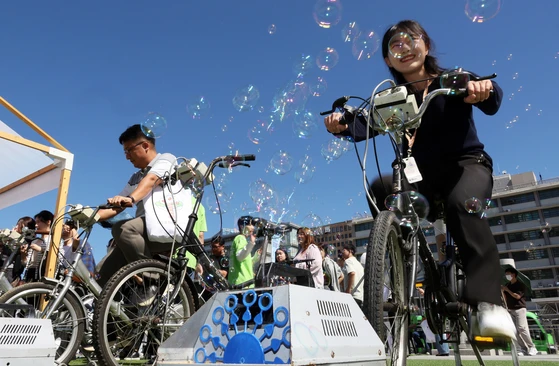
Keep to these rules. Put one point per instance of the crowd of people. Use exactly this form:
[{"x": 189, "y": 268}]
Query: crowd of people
[{"x": 29, "y": 263}]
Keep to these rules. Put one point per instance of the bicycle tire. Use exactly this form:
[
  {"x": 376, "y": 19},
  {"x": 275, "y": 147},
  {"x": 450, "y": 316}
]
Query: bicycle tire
[
  {"x": 386, "y": 239},
  {"x": 72, "y": 304},
  {"x": 102, "y": 312}
]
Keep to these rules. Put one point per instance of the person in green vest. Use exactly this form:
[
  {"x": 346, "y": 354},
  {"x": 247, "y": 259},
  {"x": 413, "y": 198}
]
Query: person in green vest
[{"x": 240, "y": 254}]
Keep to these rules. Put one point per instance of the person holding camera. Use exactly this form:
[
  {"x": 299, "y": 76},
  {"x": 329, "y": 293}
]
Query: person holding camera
[{"x": 240, "y": 254}]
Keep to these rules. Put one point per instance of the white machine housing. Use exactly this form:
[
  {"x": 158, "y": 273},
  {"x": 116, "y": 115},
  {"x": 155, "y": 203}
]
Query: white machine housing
[
  {"x": 287, "y": 324},
  {"x": 27, "y": 342},
  {"x": 394, "y": 103}
]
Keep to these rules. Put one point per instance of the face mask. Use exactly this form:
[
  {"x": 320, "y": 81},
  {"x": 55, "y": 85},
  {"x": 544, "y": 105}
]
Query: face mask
[{"x": 508, "y": 277}]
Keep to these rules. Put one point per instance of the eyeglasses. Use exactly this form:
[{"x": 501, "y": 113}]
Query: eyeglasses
[{"x": 127, "y": 151}]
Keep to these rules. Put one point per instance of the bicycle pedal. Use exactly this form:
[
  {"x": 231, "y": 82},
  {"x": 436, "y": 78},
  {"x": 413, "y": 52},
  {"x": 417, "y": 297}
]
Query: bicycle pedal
[{"x": 491, "y": 342}]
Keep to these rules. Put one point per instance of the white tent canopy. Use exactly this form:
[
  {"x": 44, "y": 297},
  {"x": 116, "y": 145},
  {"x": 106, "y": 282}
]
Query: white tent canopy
[
  {"x": 18, "y": 162},
  {"x": 30, "y": 169}
]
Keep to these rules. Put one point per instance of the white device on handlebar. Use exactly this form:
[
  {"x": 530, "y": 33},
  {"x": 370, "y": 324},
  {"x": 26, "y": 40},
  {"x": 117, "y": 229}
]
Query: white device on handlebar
[
  {"x": 192, "y": 170},
  {"x": 393, "y": 107}
]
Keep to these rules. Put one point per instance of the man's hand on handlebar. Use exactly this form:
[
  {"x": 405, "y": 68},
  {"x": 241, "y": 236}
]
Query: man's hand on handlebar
[
  {"x": 478, "y": 91},
  {"x": 121, "y": 201},
  {"x": 332, "y": 123}
]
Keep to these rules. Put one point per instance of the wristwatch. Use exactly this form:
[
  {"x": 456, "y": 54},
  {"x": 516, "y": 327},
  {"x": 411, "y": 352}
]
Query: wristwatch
[{"x": 132, "y": 198}]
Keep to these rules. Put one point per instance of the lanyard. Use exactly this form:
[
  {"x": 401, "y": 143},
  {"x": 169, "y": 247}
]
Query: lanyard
[{"x": 409, "y": 136}]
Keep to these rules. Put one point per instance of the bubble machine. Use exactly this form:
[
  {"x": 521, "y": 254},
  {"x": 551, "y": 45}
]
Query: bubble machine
[
  {"x": 27, "y": 342},
  {"x": 288, "y": 324}
]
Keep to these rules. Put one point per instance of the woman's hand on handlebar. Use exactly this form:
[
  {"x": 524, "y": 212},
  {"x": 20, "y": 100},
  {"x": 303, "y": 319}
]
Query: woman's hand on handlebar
[
  {"x": 332, "y": 123},
  {"x": 121, "y": 201},
  {"x": 478, "y": 91}
]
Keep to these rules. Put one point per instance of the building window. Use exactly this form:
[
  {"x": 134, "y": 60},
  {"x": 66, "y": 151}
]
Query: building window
[
  {"x": 499, "y": 239},
  {"x": 555, "y": 252},
  {"x": 550, "y": 212},
  {"x": 495, "y": 221},
  {"x": 545, "y": 293},
  {"x": 530, "y": 255},
  {"x": 525, "y": 235},
  {"x": 522, "y": 217},
  {"x": 519, "y": 198},
  {"x": 504, "y": 255},
  {"x": 361, "y": 242},
  {"x": 553, "y": 232},
  {"x": 539, "y": 274},
  {"x": 549, "y": 193},
  {"x": 364, "y": 226}
]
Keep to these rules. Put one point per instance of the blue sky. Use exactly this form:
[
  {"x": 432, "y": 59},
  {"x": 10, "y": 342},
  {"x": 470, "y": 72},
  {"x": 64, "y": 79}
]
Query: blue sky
[{"x": 85, "y": 71}]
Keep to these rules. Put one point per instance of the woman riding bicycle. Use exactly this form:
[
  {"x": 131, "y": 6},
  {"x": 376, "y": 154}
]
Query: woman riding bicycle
[{"x": 452, "y": 162}]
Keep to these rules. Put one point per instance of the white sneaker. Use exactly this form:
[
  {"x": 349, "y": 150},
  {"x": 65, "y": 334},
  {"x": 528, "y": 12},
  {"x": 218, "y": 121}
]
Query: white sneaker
[
  {"x": 532, "y": 351},
  {"x": 521, "y": 353},
  {"x": 495, "y": 321}
]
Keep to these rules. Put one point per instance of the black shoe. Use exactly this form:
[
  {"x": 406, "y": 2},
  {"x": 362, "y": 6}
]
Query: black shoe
[{"x": 442, "y": 354}]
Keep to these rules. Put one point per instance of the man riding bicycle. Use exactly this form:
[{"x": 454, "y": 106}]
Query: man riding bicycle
[{"x": 131, "y": 242}]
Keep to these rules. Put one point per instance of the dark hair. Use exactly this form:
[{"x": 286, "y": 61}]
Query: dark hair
[
  {"x": 71, "y": 223},
  {"x": 512, "y": 270},
  {"x": 27, "y": 222},
  {"x": 413, "y": 28},
  {"x": 134, "y": 133},
  {"x": 287, "y": 258},
  {"x": 45, "y": 216},
  {"x": 350, "y": 247},
  {"x": 219, "y": 240}
]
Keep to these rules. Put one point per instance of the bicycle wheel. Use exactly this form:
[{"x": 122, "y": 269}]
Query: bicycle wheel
[
  {"x": 67, "y": 320},
  {"x": 386, "y": 300},
  {"x": 140, "y": 292}
]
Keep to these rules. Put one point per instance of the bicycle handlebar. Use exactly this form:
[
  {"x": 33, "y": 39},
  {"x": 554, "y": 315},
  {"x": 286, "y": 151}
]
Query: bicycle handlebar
[{"x": 399, "y": 97}]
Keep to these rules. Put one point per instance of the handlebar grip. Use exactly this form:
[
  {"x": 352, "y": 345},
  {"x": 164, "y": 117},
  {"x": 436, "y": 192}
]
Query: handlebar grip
[
  {"x": 107, "y": 206},
  {"x": 463, "y": 92},
  {"x": 247, "y": 157}
]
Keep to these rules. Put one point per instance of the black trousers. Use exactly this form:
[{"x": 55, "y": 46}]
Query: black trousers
[{"x": 455, "y": 183}]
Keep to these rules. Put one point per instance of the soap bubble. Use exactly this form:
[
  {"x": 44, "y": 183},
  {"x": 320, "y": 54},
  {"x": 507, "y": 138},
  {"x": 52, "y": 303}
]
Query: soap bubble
[
  {"x": 455, "y": 79},
  {"x": 272, "y": 29},
  {"x": 259, "y": 132},
  {"x": 305, "y": 124},
  {"x": 480, "y": 11},
  {"x": 401, "y": 44},
  {"x": 314, "y": 223},
  {"x": 332, "y": 150},
  {"x": 405, "y": 204},
  {"x": 198, "y": 107},
  {"x": 154, "y": 125},
  {"x": 303, "y": 65},
  {"x": 281, "y": 162},
  {"x": 350, "y": 31},
  {"x": 327, "y": 59},
  {"x": 327, "y": 13},
  {"x": 473, "y": 205},
  {"x": 365, "y": 45},
  {"x": 261, "y": 193},
  {"x": 246, "y": 98}
]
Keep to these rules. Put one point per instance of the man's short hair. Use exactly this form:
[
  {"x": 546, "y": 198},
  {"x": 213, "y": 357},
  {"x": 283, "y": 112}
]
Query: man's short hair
[
  {"x": 350, "y": 247},
  {"x": 133, "y": 133}
]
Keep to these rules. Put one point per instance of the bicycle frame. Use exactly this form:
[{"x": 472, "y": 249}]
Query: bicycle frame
[{"x": 5, "y": 285}]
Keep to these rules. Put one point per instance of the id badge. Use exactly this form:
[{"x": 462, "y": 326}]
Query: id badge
[{"x": 412, "y": 172}]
